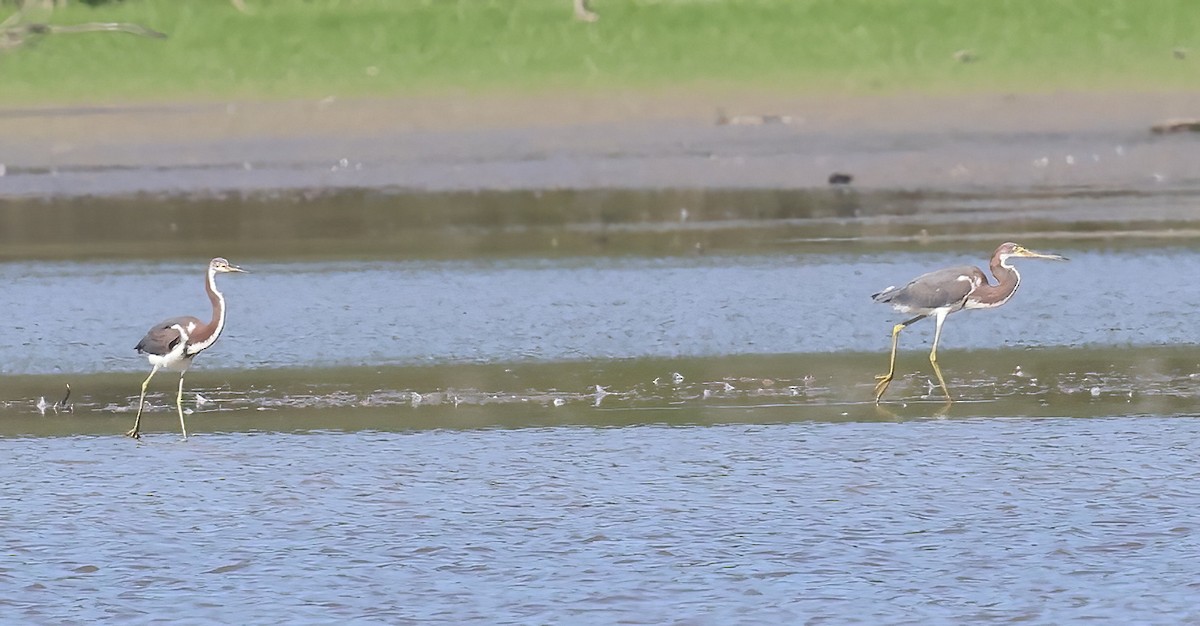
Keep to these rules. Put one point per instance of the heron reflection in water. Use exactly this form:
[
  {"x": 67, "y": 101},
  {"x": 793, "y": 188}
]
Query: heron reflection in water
[{"x": 942, "y": 292}]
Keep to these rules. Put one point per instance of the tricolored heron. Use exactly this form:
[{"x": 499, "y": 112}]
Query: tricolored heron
[
  {"x": 175, "y": 342},
  {"x": 942, "y": 292}
]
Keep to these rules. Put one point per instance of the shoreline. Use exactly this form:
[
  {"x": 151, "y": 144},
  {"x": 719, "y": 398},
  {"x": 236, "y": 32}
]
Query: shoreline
[
  {"x": 451, "y": 110},
  {"x": 632, "y": 139}
]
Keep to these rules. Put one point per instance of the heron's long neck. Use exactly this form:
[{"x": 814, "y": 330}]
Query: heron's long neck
[
  {"x": 1007, "y": 281},
  {"x": 205, "y": 337},
  {"x": 218, "y": 302}
]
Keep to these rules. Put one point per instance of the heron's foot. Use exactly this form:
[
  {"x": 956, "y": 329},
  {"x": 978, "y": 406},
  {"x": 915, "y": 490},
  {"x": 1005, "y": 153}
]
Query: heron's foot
[
  {"x": 881, "y": 386},
  {"x": 133, "y": 434}
]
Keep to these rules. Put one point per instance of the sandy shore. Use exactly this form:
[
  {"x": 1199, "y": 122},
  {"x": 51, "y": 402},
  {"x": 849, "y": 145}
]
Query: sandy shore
[{"x": 598, "y": 140}]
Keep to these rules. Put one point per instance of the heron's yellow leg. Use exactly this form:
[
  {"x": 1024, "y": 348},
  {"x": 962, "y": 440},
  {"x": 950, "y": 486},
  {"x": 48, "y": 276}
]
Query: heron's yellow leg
[
  {"x": 886, "y": 379},
  {"x": 137, "y": 421},
  {"x": 937, "y": 370},
  {"x": 179, "y": 405},
  {"x": 937, "y": 334}
]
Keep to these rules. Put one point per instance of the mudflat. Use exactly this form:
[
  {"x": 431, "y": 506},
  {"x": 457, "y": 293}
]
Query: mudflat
[{"x": 638, "y": 139}]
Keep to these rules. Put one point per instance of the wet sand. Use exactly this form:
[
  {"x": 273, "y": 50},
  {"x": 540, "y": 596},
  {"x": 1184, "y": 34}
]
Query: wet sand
[{"x": 622, "y": 140}]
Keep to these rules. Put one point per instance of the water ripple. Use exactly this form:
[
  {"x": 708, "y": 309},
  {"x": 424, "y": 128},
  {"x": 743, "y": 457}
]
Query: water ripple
[{"x": 986, "y": 521}]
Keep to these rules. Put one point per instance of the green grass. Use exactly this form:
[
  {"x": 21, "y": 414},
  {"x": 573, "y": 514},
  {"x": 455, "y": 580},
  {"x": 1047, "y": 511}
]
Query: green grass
[{"x": 301, "y": 48}]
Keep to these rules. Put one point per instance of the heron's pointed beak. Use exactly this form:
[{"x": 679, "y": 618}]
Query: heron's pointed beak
[
  {"x": 1030, "y": 254},
  {"x": 234, "y": 268}
]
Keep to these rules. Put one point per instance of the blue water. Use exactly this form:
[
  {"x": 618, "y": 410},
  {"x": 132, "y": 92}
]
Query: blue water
[
  {"x": 82, "y": 318},
  {"x": 971, "y": 521}
]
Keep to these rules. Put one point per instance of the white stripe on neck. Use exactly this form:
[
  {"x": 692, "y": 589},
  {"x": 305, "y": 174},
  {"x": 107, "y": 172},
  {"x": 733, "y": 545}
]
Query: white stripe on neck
[{"x": 196, "y": 348}]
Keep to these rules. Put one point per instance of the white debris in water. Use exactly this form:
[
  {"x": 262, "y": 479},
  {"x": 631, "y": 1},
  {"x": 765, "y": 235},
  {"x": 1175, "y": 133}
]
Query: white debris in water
[
  {"x": 1095, "y": 391},
  {"x": 42, "y": 405},
  {"x": 201, "y": 400},
  {"x": 600, "y": 393},
  {"x": 558, "y": 402},
  {"x": 1070, "y": 159},
  {"x": 677, "y": 377},
  {"x": 707, "y": 393},
  {"x": 415, "y": 399},
  {"x": 343, "y": 164}
]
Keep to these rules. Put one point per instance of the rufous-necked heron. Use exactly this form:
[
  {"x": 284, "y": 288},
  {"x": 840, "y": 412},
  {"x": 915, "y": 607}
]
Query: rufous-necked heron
[
  {"x": 945, "y": 291},
  {"x": 175, "y": 342}
]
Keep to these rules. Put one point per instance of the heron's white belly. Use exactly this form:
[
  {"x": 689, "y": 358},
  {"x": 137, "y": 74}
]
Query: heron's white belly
[{"x": 171, "y": 361}]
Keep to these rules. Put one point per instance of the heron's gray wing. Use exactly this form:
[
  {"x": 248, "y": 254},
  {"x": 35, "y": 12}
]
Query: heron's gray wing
[
  {"x": 163, "y": 336},
  {"x": 937, "y": 289}
]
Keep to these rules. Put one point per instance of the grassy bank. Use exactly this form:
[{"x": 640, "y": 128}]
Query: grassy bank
[{"x": 289, "y": 48}]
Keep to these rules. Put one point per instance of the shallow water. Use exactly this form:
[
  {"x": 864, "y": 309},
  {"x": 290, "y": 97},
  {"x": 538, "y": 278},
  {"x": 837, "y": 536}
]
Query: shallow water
[
  {"x": 600, "y": 408},
  {"x": 981, "y": 521},
  {"x": 400, "y": 224},
  {"x": 86, "y": 318}
]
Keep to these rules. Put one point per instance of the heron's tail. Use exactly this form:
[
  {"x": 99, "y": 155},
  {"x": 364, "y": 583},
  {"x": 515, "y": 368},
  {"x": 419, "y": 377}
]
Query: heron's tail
[{"x": 886, "y": 295}]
